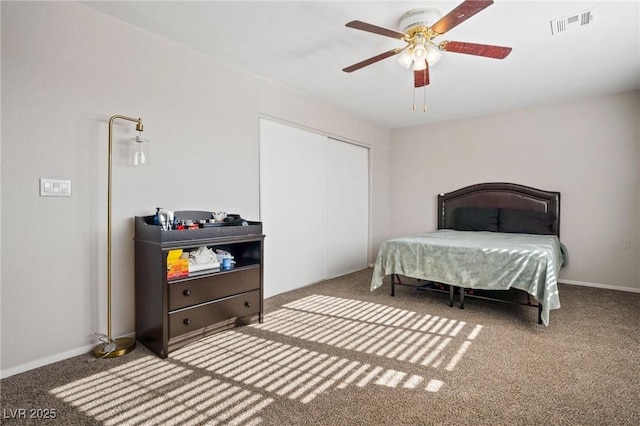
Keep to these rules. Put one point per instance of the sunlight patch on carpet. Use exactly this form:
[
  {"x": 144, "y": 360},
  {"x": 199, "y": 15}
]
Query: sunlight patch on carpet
[
  {"x": 239, "y": 375},
  {"x": 285, "y": 370},
  {"x": 301, "y": 374},
  {"x": 135, "y": 393},
  {"x": 372, "y": 328}
]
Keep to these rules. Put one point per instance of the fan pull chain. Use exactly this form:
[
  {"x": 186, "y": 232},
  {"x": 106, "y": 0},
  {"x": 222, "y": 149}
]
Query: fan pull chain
[{"x": 424, "y": 98}]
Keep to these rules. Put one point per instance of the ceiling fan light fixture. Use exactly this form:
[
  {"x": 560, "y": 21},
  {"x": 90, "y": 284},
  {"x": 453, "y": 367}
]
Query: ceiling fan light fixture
[
  {"x": 405, "y": 58},
  {"x": 419, "y": 52},
  {"x": 419, "y": 65},
  {"x": 433, "y": 55}
]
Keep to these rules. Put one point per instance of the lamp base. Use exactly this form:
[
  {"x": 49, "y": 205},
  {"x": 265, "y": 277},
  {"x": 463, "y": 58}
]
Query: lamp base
[{"x": 116, "y": 348}]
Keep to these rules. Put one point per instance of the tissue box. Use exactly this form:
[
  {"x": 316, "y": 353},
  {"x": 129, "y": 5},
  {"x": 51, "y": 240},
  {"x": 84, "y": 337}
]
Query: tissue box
[{"x": 177, "y": 266}]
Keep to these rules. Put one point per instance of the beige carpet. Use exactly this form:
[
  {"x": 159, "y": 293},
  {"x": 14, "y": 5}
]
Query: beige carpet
[{"x": 334, "y": 354}]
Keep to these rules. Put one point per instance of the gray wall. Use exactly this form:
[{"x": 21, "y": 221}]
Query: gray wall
[
  {"x": 66, "y": 69},
  {"x": 588, "y": 150}
]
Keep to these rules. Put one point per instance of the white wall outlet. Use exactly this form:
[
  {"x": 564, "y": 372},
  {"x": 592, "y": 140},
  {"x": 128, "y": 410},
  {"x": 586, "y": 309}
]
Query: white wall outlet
[{"x": 55, "y": 188}]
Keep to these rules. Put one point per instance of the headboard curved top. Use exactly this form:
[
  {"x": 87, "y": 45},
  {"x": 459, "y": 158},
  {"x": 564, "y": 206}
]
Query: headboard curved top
[{"x": 499, "y": 195}]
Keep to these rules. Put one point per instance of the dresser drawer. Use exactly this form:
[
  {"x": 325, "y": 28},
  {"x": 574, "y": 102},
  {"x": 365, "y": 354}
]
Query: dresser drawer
[
  {"x": 205, "y": 289},
  {"x": 191, "y": 319}
]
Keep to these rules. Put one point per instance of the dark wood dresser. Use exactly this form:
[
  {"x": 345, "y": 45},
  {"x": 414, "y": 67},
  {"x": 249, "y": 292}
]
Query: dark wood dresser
[{"x": 174, "y": 311}]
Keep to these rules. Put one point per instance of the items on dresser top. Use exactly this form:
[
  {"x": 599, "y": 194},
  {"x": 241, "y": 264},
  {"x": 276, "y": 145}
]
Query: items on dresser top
[{"x": 169, "y": 220}]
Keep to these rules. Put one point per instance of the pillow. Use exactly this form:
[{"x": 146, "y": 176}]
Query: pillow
[
  {"x": 526, "y": 221},
  {"x": 476, "y": 219}
]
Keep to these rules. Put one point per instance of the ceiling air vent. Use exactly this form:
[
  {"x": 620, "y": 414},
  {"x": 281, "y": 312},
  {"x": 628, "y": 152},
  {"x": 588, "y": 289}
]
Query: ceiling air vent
[{"x": 577, "y": 20}]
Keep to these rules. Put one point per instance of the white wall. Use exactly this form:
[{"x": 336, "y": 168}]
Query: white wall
[
  {"x": 588, "y": 150},
  {"x": 66, "y": 69}
]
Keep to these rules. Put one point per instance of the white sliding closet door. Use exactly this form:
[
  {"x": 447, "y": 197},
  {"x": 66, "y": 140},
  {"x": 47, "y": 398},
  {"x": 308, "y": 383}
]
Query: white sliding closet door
[
  {"x": 314, "y": 206},
  {"x": 293, "y": 199},
  {"x": 348, "y": 207}
]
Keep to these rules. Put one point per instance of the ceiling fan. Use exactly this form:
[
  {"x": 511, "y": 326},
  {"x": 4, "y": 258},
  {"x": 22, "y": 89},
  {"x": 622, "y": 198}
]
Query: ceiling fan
[{"x": 420, "y": 27}]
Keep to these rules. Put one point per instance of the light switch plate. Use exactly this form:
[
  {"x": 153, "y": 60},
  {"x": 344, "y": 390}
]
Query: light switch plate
[{"x": 55, "y": 188}]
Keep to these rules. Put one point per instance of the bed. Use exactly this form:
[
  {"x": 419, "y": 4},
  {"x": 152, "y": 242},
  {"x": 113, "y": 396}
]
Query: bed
[{"x": 490, "y": 237}]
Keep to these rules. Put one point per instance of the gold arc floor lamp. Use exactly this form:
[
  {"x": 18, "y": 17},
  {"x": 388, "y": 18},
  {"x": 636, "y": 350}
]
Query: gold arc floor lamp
[{"x": 110, "y": 347}]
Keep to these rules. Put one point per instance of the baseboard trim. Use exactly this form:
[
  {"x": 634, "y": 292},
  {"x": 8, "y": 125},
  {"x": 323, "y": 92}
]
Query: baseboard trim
[
  {"x": 51, "y": 359},
  {"x": 603, "y": 286}
]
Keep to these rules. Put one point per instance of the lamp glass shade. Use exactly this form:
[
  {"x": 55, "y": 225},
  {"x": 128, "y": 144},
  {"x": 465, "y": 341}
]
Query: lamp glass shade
[
  {"x": 419, "y": 65},
  {"x": 419, "y": 52},
  {"x": 405, "y": 58},
  {"x": 139, "y": 153},
  {"x": 433, "y": 55}
]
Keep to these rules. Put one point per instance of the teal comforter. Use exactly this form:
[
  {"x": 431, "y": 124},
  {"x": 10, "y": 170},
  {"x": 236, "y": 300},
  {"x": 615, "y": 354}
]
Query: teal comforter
[{"x": 479, "y": 260}]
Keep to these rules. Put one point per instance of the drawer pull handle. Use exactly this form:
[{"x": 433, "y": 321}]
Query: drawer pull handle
[
  {"x": 186, "y": 321},
  {"x": 247, "y": 304},
  {"x": 187, "y": 292}
]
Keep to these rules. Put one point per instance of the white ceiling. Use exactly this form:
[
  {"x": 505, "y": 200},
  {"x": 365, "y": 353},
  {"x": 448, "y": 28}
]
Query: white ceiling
[{"x": 305, "y": 45}]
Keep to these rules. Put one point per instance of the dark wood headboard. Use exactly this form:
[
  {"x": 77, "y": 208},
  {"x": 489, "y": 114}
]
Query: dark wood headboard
[{"x": 498, "y": 194}]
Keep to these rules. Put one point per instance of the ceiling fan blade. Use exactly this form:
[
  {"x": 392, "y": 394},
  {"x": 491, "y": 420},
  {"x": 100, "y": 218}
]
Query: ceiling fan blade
[
  {"x": 359, "y": 25},
  {"x": 464, "y": 11},
  {"x": 370, "y": 61},
  {"x": 498, "y": 52},
  {"x": 421, "y": 78}
]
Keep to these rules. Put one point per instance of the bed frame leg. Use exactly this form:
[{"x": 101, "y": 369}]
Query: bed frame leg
[
  {"x": 461, "y": 298},
  {"x": 393, "y": 289},
  {"x": 539, "y": 313},
  {"x": 451, "y": 291}
]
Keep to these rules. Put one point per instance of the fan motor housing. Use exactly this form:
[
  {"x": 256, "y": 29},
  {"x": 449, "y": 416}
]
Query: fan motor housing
[{"x": 423, "y": 17}]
